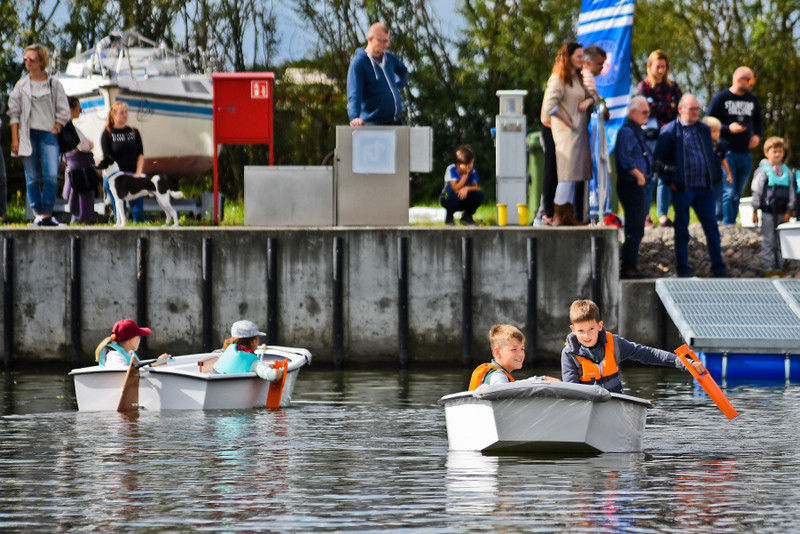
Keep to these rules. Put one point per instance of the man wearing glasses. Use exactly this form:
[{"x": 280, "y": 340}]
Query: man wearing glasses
[
  {"x": 740, "y": 113},
  {"x": 635, "y": 169},
  {"x": 684, "y": 159},
  {"x": 374, "y": 81}
]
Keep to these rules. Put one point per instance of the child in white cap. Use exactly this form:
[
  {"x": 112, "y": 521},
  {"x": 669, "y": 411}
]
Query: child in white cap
[{"x": 239, "y": 355}]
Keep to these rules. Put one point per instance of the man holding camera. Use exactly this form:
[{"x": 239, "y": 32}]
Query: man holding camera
[
  {"x": 635, "y": 168},
  {"x": 685, "y": 160}
]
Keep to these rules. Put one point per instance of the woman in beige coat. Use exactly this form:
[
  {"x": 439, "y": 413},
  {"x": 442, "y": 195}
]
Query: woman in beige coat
[{"x": 566, "y": 107}]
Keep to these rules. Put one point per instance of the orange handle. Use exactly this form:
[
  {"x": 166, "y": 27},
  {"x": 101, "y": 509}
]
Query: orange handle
[
  {"x": 276, "y": 388},
  {"x": 707, "y": 382}
]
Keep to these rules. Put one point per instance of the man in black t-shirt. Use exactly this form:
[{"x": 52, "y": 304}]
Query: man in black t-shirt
[{"x": 740, "y": 113}]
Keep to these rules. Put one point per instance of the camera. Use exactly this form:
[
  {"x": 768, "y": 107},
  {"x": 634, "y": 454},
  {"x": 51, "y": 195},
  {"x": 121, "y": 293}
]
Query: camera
[{"x": 659, "y": 167}]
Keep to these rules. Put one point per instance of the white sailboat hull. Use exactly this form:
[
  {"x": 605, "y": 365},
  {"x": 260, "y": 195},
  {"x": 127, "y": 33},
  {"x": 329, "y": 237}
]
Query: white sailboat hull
[{"x": 170, "y": 105}]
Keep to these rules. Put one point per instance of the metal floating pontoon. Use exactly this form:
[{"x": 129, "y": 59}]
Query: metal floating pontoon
[{"x": 740, "y": 328}]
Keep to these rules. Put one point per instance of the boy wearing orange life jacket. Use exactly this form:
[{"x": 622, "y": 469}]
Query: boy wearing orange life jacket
[
  {"x": 508, "y": 354},
  {"x": 592, "y": 355}
]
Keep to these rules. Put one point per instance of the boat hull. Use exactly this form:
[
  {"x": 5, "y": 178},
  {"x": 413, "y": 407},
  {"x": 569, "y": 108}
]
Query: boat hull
[
  {"x": 180, "y": 385},
  {"x": 176, "y": 127},
  {"x": 790, "y": 240},
  {"x": 544, "y": 417}
]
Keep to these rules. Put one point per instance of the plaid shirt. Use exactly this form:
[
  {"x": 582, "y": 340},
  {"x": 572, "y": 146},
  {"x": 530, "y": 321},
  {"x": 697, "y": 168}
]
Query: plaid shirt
[{"x": 695, "y": 170}]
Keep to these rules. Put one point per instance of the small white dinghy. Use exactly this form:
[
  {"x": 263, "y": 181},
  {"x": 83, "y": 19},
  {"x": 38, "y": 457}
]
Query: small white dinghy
[
  {"x": 789, "y": 234},
  {"x": 542, "y": 416},
  {"x": 187, "y": 383}
]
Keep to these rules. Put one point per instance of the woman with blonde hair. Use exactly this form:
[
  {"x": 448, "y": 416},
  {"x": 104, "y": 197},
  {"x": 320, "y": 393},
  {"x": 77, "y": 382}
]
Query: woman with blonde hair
[
  {"x": 662, "y": 95},
  {"x": 123, "y": 144},
  {"x": 38, "y": 110},
  {"x": 566, "y": 107}
]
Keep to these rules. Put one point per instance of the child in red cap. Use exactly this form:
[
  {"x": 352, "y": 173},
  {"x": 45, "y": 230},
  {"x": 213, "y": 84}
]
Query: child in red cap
[{"x": 121, "y": 345}]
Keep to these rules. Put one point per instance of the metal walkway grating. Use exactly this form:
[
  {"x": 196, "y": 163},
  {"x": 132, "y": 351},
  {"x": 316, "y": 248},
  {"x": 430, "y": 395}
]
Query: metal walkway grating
[{"x": 737, "y": 316}]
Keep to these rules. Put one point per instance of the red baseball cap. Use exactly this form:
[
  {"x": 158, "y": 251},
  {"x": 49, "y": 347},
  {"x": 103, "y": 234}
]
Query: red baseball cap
[{"x": 127, "y": 329}]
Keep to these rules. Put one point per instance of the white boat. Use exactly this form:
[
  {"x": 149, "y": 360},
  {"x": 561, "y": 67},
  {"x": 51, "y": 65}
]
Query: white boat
[
  {"x": 169, "y": 105},
  {"x": 790, "y": 240},
  {"x": 187, "y": 383},
  {"x": 539, "y": 415}
]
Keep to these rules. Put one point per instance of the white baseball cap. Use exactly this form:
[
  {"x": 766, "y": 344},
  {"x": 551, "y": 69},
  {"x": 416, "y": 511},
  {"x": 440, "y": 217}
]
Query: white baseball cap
[{"x": 243, "y": 329}]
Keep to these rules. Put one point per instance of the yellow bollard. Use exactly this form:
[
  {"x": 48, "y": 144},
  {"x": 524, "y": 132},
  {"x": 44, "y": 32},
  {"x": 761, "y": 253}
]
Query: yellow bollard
[
  {"x": 522, "y": 211},
  {"x": 502, "y": 214}
]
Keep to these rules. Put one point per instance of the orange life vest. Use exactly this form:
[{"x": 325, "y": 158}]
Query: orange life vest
[
  {"x": 480, "y": 373},
  {"x": 593, "y": 372}
]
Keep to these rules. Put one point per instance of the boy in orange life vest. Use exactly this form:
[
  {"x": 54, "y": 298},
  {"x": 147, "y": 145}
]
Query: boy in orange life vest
[
  {"x": 592, "y": 355},
  {"x": 508, "y": 353}
]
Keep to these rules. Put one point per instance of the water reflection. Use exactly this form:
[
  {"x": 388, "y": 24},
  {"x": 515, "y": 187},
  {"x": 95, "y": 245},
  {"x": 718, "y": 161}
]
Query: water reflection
[
  {"x": 471, "y": 483},
  {"x": 367, "y": 451}
]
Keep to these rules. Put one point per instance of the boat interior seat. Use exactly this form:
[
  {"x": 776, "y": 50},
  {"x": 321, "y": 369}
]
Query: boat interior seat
[{"x": 207, "y": 365}]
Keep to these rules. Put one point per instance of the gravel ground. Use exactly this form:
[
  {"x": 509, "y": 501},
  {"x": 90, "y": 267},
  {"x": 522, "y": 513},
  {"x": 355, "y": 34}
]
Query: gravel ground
[{"x": 741, "y": 248}]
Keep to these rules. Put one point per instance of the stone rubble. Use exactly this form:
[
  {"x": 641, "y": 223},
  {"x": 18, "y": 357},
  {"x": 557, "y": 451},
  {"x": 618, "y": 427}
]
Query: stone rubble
[{"x": 741, "y": 249}]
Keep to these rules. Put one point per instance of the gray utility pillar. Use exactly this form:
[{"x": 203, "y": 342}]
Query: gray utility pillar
[{"x": 511, "y": 153}]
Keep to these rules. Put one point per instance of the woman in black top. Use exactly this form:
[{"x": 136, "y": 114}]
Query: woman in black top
[{"x": 123, "y": 145}]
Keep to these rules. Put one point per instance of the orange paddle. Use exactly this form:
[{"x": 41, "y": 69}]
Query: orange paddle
[
  {"x": 707, "y": 383},
  {"x": 276, "y": 388}
]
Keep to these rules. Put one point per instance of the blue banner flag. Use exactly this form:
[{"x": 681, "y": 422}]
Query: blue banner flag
[{"x": 607, "y": 24}]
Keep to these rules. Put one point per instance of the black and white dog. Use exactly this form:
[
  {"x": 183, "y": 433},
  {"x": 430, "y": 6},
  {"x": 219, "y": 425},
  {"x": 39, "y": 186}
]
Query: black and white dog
[{"x": 128, "y": 187}]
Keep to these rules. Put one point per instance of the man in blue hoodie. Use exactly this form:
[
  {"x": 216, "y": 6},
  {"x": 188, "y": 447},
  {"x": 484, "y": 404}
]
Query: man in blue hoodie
[{"x": 374, "y": 80}]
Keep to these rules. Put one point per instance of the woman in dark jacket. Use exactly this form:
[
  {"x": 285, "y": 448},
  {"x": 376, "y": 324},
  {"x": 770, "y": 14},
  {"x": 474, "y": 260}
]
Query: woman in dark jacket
[{"x": 81, "y": 203}]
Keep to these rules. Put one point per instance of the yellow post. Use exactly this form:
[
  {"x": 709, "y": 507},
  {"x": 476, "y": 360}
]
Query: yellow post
[
  {"x": 502, "y": 214},
  {"x": 522, "y": 211}
]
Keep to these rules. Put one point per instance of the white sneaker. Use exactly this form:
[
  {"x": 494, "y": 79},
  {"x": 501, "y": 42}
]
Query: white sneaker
[
  {"x": 50, "y": 221},
  {"x": 37, "y": 221}
]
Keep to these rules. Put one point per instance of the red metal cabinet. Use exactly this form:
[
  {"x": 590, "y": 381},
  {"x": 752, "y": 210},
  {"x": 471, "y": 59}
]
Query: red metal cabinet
[
  {"x": 242, "y": 114},
  {"x": 243, "y": 107}
]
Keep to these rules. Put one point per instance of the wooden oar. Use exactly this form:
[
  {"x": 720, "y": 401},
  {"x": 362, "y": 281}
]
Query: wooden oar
[
  {"x": 129, "y": 399},
  {"x": 707, "y": 383},
  {"x": 276, "y": 388}
]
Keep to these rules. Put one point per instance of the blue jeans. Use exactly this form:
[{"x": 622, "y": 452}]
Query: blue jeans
[
  {"x": 740, "y": 165},
  {"x": 662, "y": 192},
  {"x": 718, "y": 197},
  {"x": 663, "y": 195},
  {"x": 42, "y": 167},
  {"x": 137, "y": 206},
  {"x": 702, "y": 200}
]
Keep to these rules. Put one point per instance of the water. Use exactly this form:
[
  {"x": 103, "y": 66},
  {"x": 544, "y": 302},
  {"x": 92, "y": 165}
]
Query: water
[{"x": 367, "y": 452}]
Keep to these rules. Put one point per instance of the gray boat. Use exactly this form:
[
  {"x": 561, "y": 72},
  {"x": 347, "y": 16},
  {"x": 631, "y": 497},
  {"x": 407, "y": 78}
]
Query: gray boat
[{"x": 538, "y": 415}]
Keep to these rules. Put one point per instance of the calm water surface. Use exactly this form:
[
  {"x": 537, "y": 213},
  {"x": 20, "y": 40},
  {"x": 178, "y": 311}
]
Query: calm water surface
[{"x": 367, "y": 452}]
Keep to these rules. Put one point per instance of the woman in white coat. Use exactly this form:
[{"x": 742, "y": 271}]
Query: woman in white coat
[
  {"x": 567, "y": 106},
  {"x": 38, "y": 110}
]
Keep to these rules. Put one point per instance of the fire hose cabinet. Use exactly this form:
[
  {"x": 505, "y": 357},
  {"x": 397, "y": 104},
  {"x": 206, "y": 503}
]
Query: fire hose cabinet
[
  {"x": 243, "y": 103},
  {"x": 242, "y": 114}
]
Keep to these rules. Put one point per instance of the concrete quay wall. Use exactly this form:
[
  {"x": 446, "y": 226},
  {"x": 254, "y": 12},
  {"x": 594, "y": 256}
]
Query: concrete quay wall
[{"x": 64, "y": 288}]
